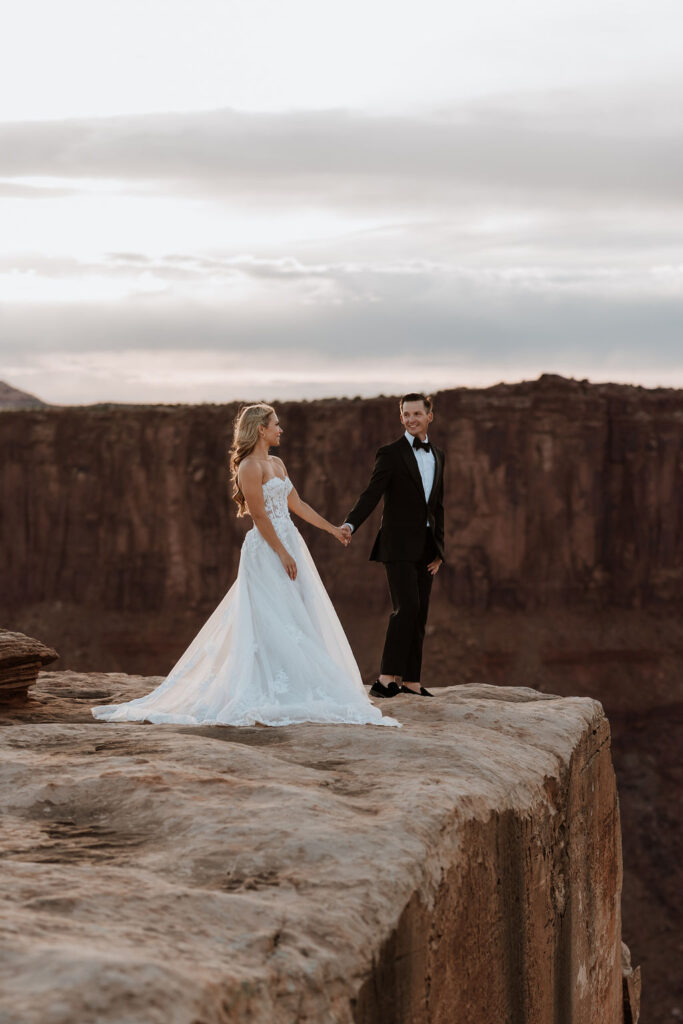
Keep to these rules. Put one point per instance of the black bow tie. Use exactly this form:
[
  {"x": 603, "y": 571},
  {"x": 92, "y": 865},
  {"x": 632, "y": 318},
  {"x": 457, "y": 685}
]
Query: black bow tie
[{"x": 417, "y": 444}]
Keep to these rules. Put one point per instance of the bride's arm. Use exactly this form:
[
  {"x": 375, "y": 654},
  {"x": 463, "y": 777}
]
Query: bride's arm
[
  {"x": 304, "y": 511},
  {"x": 249, "y": 479}
]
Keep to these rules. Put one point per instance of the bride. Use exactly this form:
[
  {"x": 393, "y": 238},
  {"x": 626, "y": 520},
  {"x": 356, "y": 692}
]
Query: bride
[{"x": 273, "y": 652}]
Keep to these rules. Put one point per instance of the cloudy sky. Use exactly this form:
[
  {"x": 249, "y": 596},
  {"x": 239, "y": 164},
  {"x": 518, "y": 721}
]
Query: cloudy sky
[{"x": 250, "y": 198}]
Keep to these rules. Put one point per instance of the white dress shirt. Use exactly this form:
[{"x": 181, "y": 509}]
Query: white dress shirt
[{"x": 426, "y": 464}]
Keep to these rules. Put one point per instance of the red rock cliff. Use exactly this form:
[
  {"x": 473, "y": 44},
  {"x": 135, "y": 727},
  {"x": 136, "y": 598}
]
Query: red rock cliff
[
  {"x": 564, "y": 520},
  {"x": 559, "y": 494}
]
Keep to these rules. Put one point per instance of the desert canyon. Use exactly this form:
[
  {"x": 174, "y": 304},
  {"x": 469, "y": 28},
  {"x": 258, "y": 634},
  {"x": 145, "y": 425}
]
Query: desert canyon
[{"x": 563, "y": 588}]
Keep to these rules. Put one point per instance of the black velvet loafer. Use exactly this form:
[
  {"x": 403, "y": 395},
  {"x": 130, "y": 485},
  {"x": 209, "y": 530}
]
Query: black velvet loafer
[
  {"x": 384, "y": 690},
  {"x": 414, "y": 693}
]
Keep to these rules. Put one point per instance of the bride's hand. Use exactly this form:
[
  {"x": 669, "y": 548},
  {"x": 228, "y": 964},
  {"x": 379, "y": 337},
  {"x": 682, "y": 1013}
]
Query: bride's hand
[
  {"x": 343, "y": 536},
  {"x": 288, "y": 564}
]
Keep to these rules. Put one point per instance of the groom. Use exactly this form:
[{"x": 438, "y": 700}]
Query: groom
[{"x": 408, "y": 474}]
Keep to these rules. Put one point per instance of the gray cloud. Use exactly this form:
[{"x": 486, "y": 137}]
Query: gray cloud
[
  {"x": 13, "y": 190},
  {"x": 201, "y": 297},
  {"x": 616, "y": 147},
  {"x": 553, "y": 252},
  {"x": 477, "y": 326}
]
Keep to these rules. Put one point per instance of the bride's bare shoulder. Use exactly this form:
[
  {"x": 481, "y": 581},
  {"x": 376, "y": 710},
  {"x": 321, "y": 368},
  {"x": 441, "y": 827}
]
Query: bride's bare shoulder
[{"x": 250, "y": 470}]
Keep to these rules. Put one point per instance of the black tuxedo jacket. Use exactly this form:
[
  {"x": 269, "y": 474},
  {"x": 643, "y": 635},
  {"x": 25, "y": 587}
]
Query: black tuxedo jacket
[{"x": 397, "y": 479}]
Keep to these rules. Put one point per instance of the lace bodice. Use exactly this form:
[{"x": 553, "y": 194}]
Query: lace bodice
[{"x": 275, "y": 492}]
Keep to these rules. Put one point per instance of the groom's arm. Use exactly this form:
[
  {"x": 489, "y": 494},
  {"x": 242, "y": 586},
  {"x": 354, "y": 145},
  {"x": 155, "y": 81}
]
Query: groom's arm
[{"x": 368, "y": 500}]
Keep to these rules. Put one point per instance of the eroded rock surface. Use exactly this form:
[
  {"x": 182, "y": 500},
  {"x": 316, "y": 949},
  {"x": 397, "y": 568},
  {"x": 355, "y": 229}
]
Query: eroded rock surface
[
  {"x": 464, "y": 868},
  {"x": 21, "y": 658}
]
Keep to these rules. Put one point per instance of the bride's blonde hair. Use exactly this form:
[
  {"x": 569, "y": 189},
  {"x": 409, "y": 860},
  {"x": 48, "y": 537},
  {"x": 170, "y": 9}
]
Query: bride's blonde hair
[{"x": 244, "y": 438}]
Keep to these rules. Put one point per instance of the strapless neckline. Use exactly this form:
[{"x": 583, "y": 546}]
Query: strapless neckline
[{"x": 282, "y": 479}]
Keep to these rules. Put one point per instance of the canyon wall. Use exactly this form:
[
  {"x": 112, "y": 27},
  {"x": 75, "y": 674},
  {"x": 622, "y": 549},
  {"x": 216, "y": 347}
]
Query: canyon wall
[
  {"x": 558, "y": 494},
  {"x": 564, "y": 525}
]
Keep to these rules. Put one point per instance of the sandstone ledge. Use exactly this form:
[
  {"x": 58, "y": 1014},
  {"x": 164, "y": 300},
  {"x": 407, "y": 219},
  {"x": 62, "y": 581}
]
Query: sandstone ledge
[
  {"x": 465, "y": 869},
  {"x": 21, "y": 658}
]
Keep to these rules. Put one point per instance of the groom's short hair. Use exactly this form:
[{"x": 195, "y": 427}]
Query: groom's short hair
[{"x": 413, "y": 397}]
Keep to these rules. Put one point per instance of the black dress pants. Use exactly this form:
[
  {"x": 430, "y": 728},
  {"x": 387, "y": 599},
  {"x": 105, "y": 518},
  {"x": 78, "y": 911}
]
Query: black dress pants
[{"x": 410, "y": 584}]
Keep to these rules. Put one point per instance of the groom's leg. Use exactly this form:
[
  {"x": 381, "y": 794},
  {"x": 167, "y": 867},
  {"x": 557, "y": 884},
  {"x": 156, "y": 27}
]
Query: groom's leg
[
  {"x": 405, "y": 597},
  {"x": 424, "y": 589}
]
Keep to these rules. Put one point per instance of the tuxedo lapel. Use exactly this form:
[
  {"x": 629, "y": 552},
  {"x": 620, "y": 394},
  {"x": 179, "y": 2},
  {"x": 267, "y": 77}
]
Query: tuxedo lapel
[{"x": 408, "y": 456}]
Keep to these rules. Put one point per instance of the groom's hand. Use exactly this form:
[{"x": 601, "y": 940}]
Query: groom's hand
[
  {"x": 347, "y": 531},
  {"x": 341, "y": 535},
  {"x": 434, "y": 566}
]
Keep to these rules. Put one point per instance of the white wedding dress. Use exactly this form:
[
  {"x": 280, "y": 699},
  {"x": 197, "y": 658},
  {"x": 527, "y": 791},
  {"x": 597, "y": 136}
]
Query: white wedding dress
[{"x": 273, "y": 652}]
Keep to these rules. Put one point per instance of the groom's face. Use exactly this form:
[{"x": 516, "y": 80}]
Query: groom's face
[{"x": 416, "y": 419}]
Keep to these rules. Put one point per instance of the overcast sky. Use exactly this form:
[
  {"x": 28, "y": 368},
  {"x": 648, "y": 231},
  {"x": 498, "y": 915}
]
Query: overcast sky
[{"x": 257, "y": 199}]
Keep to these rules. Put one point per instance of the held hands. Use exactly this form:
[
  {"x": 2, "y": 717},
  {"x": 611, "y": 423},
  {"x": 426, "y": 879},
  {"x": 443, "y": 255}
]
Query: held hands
[
  {"x": 288, "y": 564},
  {"x": 434, "y": 566},
  {"x": 342, "y": 534}
]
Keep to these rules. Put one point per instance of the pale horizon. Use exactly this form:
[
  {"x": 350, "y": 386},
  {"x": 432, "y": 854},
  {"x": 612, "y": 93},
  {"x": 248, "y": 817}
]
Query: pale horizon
[{"x": 294, "y": 392}]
